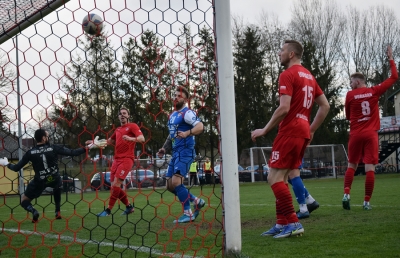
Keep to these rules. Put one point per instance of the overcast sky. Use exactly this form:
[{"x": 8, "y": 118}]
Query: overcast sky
[{"x": 251, "y": 9}]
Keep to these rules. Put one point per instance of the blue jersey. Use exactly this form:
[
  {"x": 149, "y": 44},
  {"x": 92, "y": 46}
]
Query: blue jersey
[{"x": 182, "y": 120}]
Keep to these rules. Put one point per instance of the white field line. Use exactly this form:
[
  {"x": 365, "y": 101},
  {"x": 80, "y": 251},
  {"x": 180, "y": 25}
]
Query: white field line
[
  {"x": 326, "y": 205},
  {"x": 84, "y": 241}
]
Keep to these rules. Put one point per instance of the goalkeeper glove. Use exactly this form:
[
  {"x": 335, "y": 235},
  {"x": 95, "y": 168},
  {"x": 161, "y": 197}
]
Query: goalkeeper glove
[
  {"x": 4, "y": 162},
  {"x": 98, "y": 143}
]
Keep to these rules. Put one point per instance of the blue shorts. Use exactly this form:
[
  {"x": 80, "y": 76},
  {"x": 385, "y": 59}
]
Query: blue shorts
[{"x": 180, "y": 163}]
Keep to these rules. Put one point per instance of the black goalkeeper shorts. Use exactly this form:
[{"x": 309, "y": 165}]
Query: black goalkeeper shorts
[{"x": 36, "y": 187}]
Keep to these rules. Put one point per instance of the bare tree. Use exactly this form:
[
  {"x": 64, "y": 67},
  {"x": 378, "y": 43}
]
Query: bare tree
[
  {"x": 273, "y": 34},
  {"x": 320, "y": 23},
  {"x": 7, "y": 77},
  {"x": 367, "y": 36}
]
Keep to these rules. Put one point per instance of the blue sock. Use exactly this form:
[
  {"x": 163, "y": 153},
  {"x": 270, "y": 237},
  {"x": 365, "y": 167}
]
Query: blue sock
[
  {"x": 191, "y": 197},
  {"x": 183, "y": 196},
  {"x": 298, "y": 189},
  {"x": 306, "y": 194}
]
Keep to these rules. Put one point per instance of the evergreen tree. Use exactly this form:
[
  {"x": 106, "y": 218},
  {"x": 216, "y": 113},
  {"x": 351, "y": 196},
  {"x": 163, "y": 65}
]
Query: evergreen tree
[
  {"x": 272, "y": 36},
  {"x": 206, "y": 93},
  {"x": 92, "y": 86},
  {"x": 185, "y": 57},
  {"x": 325, "y": 76},
  {"x": 250, "y": 76},
  {"x": 148, "y": 85}
]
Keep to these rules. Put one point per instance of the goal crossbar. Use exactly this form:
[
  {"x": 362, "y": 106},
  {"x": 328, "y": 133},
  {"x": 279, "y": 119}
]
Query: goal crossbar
[{"x": 19, "y": 15}]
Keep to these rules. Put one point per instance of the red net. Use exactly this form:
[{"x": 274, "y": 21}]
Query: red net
[{"x": 73, "y": 85}]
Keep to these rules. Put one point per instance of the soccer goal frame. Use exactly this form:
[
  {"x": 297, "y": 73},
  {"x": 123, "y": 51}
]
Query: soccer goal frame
[
  {"x": 14, "y": 22},
  {"x": 328, "y": 160}
]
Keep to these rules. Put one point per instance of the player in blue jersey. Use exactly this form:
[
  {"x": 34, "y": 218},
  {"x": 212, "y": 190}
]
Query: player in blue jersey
[{"x": 183, "y": 125}]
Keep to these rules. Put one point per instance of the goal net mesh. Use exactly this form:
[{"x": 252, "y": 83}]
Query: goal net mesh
[{"x": 57, "y": 77}]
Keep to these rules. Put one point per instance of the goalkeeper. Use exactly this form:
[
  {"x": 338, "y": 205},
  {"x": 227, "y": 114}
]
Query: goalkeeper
[{"x": 44, "y": 158}]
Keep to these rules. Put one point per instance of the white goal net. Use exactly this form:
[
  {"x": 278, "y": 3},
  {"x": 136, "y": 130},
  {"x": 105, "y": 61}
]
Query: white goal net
[{"x": 319, "y": 161}]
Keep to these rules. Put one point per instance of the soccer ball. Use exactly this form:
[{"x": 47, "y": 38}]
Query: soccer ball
[{"x": 92, "y": 24}]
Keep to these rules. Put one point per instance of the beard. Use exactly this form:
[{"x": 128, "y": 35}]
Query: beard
[
  {"x": 179, "y": 105},
  {"x": 284, "y": 63}
]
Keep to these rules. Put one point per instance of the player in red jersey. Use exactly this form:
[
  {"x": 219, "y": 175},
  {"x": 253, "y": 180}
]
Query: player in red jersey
[
  {"x": 298, "y": 90},
  {"x": 124, "y": 139},
  {"x": 362, "y": 110}
]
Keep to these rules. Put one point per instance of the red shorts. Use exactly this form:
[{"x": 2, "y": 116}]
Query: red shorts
[
  {"x": 287, "y": 152},
  {"x": 120, "y": 168},
  {"x": 363, "y": 146}
]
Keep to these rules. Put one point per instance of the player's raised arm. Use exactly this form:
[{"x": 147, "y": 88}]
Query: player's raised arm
[{"x": 390, "y": 52}]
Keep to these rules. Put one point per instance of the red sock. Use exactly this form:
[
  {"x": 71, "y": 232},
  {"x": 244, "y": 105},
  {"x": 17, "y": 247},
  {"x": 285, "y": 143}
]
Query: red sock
[
  {"x": 285, "y": 202},
  {"x": 348, "y": 180},
  {"x": 369, "y": 185},
  {"x": 280, "y": 218},
  {"x": 123, "y": 197},
  {"x": 114, "y": 196}
]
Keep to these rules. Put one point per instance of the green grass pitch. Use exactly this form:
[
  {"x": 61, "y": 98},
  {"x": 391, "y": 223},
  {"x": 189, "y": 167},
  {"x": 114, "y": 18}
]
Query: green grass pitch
[{"x": 149, "y": 232}]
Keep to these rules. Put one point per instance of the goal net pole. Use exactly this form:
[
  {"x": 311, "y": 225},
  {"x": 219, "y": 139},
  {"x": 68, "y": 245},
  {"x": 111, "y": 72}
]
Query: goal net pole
[{"x": 227, "y": 124}]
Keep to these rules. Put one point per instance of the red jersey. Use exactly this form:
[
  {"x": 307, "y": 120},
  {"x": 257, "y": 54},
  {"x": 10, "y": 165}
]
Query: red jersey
[
  {"x": 298, "y": 83},
  {"x": 362, "y": 108},
  {"x": 125, "y": 149}
]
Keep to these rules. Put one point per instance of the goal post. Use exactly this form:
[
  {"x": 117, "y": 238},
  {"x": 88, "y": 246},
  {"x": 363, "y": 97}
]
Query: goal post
[
  {"x": 319, "y": 161},
  {"x": 227, "y": 118}
]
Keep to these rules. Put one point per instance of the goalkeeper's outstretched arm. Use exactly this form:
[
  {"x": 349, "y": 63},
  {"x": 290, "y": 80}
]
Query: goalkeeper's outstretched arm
[
  {"x": 17, "y": 167},
  {"x": 61, "y": 150}
]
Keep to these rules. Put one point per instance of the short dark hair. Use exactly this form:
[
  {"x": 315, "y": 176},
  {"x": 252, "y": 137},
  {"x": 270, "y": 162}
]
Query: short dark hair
[
  {"x": 358, "y": 75},
  {"x": 184, "y": 90},
  {"x": 39, "y": 133},
  {"x": 296, "y": 47}
]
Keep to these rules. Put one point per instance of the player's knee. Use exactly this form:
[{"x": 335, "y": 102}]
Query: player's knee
[
  {"x": 171, "y": 188},
  {"x": 179, "y": 188},
  {"x": 117, "y": 182},
  {"x": 294, "y": 173}
]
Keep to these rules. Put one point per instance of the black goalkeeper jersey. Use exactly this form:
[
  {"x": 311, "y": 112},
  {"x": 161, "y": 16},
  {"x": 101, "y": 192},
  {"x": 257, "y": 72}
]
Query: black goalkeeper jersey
[{"x": 44, "y": 160}]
